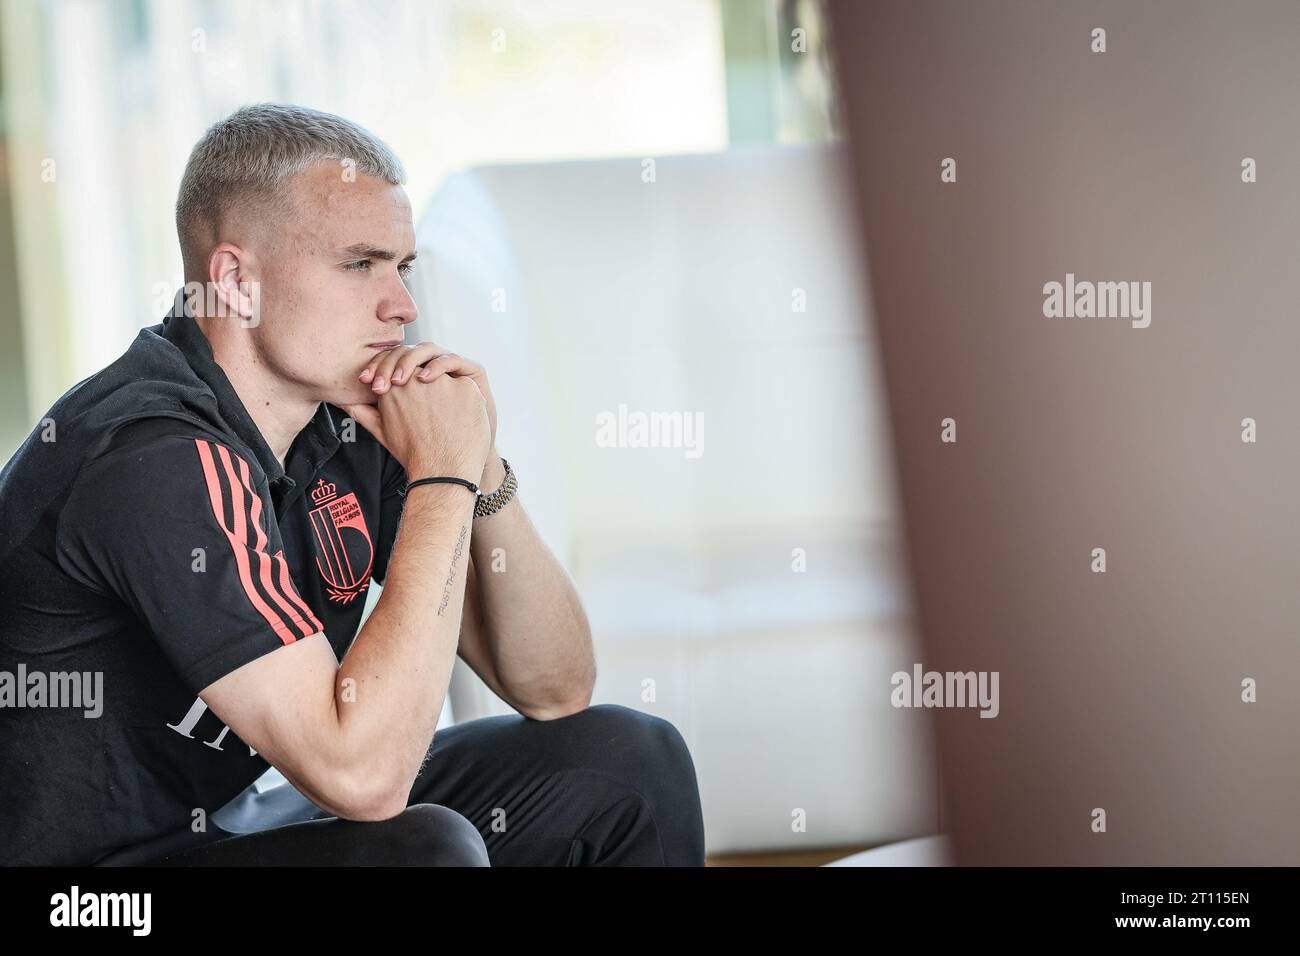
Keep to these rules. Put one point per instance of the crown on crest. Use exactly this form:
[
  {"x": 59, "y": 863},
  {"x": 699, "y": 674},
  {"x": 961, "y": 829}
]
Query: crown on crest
[{"x": 323, "y": 491}]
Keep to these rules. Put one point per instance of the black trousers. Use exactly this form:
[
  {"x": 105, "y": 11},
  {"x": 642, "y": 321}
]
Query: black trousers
[{"x": 607, "y": 786}]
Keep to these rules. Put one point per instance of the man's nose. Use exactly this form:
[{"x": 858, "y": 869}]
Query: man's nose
[{"x": 401, "y": 308}]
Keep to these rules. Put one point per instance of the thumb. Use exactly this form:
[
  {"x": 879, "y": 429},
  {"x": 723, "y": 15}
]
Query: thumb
[{"x": 368, "y": 417}]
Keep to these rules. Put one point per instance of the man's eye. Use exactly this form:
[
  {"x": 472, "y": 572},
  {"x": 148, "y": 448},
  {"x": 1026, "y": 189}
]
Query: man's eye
[
  {"x": 362, "y": 265},
  {"x": 405, "y": 269}
]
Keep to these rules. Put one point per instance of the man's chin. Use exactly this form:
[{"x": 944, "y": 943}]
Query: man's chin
[{"x": 360, "y": 395}]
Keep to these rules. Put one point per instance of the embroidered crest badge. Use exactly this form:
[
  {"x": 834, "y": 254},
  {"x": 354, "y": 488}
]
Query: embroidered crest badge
[{"x": 344, "y": 551}]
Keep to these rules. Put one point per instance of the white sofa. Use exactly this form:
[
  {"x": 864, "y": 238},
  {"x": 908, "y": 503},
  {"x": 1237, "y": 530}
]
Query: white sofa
[
  {"x": 934, "y": 850},
  {"x": 582, "y": 286}
]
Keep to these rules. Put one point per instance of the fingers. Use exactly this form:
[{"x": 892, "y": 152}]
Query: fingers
[
  {"x": 379, "y": 372},
  {"x": 448, "y": 363},
  {"x": 409, "y": 363},
  {"x": 381, "y": 369},
  {"x": 425, "y": 361}
]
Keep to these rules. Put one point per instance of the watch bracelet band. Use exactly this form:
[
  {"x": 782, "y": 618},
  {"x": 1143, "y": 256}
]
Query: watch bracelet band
[{"x": 490, "y": 504}]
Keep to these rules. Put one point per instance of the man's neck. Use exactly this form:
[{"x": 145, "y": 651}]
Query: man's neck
[{"x": 277, "y": 416}]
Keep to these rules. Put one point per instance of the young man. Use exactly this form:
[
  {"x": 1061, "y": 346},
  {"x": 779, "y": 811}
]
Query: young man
[{"x": 187, "y": 537}]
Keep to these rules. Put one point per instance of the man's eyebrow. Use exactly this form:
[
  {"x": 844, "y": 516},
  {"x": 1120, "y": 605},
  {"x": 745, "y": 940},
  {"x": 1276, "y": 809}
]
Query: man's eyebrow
[{"x": 364, "y": 250}]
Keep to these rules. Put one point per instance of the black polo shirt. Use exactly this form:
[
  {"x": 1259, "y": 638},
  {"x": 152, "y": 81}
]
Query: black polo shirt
[{"x": 150, "y": 540}]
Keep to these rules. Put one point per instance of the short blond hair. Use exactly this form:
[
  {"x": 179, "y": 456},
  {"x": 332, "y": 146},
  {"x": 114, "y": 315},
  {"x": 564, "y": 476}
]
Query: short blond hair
[{"x": 250, "y": 155}]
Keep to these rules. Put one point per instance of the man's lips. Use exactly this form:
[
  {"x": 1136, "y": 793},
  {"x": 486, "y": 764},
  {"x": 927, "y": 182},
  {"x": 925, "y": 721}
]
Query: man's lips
[{"x": 384, "y": 346}]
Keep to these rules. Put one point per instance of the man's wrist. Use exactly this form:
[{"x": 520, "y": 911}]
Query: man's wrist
[
  {"x": 442, "y": 468},
  {"x": 494, "y": 473}
]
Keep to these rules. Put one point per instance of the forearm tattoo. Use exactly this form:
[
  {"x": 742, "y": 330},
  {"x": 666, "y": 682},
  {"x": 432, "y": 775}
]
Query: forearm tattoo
[{"x": 451, "y": 573}]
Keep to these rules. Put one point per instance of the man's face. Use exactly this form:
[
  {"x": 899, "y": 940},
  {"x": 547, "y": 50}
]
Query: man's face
[{"x": 333, "y": 284}]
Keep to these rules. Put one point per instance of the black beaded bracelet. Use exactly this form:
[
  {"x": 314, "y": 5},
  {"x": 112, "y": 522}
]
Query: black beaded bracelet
[{"x": 428, "y": 481}]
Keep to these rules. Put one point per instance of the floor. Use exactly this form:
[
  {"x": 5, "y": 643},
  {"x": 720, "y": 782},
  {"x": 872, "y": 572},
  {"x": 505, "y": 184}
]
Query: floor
[{"x": 797, "y": 858}]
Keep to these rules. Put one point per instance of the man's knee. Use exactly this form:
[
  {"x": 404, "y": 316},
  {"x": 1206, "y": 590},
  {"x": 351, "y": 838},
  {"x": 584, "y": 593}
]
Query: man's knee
[
  {"x": 427, "y": 834},
  {"x": 645, "y": 743},
  {"x": 649, "y": 757}
]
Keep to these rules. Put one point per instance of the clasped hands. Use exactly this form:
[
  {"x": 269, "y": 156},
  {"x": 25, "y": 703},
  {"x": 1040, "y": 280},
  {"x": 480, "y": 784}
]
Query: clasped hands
[{"x": 424, "y": 362}]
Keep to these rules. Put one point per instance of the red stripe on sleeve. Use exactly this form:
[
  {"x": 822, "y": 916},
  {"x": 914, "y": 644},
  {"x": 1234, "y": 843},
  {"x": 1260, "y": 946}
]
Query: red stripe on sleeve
[
  {"x": 286, "y": 587},
  {"x": 238, "y": 537}
]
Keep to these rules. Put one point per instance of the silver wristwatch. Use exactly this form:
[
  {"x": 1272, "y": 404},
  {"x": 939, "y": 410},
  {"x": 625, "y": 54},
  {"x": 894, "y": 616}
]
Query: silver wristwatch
[{"x": 491, "y": 504}]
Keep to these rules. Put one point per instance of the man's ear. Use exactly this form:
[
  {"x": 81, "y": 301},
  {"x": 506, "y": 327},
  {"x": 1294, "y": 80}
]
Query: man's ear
[{"x": 233, "y": 291}]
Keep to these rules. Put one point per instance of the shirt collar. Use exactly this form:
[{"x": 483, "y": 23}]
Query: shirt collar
[{"x": 317, "y": 441}]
